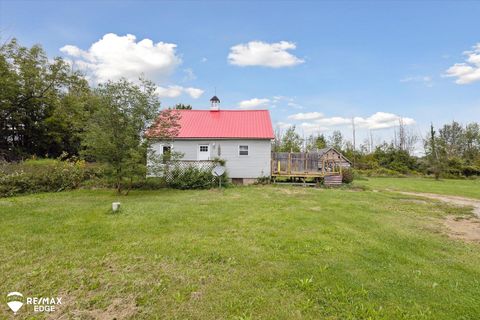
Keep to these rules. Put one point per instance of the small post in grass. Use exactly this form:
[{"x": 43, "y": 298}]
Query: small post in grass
[{"x": 115, "y": 206}]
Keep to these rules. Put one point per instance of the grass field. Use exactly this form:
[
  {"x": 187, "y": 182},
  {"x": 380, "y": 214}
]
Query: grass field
[
  {"x": 245, "y": 253},
  {"x": 454, "y": 187}
]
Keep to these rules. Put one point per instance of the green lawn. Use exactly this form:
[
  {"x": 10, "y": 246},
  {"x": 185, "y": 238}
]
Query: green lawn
[
  {"x": 466, "y": 188},
  {"x": 257, "y": 252}
]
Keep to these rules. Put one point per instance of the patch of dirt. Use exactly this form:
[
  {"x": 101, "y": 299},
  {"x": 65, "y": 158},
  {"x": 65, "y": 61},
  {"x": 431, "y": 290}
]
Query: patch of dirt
[
  {"x": 353, "y": 189},
  {"x": 235, "y": 195},
  {"x": 119, "y": 309},
  {"x": 292, "y": 190},
  {"x": 414, "y": 201},
  {"x": 61, "y": 311},
  {"x": 196, "y": 295},
  {"x": 463, "y": 228},
  {"x": 466, "y": 228},
  {"x": 459, "y": 201}
]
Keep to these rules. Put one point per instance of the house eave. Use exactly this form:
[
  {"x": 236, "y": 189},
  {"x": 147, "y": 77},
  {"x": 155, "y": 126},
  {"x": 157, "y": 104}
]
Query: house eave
[{"x": 213, "y": 138}]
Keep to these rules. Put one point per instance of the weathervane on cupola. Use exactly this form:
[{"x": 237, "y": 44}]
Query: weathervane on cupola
[{"x": 215, "y": 102}]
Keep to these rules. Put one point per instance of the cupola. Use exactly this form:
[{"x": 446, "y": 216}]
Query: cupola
[{"x": 215, "y": 104}]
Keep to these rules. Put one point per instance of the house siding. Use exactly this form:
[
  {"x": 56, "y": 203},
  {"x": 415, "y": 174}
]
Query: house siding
[{"x": 255, "y": 165}]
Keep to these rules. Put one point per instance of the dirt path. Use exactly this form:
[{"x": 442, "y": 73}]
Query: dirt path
[
  {"x": 463, "y": 228},
  {"x": 460, "y": 201}
]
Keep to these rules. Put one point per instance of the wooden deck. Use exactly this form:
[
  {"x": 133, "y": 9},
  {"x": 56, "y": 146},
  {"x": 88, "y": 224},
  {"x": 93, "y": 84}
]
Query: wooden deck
[{"x": 303, "y": 165}]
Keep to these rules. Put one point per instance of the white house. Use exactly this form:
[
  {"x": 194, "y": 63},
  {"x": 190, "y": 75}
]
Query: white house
[{"x": 241, "y": 137}]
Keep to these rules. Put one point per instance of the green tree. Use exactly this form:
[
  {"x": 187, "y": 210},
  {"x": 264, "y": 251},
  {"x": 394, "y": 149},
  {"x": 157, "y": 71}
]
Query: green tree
[
  {"x": 291, "y": 141},
  {"x": 391, "y": 157},
  {"x": 472, "y": 142},
  {"x": 451, "y": 140},
  {"x": 431, "y": 151},
  {"x": 336, "y": 140},
  {"x": 181, "y": 106},
  {"x": 40, "y": 108},
  {"x": 316, "y": 142},
  {"x": 320, "y": 142},
  {"x": 115, "y": 133}
]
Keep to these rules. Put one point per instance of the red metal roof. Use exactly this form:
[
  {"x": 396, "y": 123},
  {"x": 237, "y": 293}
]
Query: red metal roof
[{"x": 247, "y": 124}]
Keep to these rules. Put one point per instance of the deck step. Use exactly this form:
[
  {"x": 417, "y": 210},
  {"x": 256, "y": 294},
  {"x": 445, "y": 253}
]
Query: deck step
[{"x": 331, "y": 181}]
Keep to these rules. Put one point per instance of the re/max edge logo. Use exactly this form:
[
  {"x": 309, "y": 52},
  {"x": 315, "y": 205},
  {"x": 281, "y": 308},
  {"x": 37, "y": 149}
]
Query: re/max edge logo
[{"x": 16, "y": 300}]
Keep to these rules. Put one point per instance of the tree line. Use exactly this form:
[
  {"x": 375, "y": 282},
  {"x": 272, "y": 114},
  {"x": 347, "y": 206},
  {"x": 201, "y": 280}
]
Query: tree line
[
  {"x": 48, "y": 110},
  {"x": 451, "y": 151}
]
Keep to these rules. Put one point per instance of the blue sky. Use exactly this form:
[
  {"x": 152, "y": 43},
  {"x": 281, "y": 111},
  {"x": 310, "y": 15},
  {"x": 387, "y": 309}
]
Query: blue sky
[{"x": 313, "y": 64}]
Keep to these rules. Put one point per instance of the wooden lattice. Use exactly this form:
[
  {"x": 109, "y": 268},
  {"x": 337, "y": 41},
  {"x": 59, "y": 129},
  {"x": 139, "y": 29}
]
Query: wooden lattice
[{"x": 169, "y": 168}]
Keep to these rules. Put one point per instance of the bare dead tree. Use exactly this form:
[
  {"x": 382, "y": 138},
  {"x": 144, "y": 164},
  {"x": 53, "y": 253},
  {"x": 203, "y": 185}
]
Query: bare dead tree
[
  {"x": 406, "y": 139},
  {"x": 371, "y": 145},
  {"x": 354, "y": 146},
  {"x": 401, "y": 134}
]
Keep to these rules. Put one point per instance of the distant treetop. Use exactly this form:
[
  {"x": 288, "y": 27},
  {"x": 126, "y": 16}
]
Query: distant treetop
[{"x": 181, "y": 106}]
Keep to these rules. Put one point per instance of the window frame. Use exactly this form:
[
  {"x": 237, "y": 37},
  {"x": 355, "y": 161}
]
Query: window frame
[{"x": 240, "y": 150}]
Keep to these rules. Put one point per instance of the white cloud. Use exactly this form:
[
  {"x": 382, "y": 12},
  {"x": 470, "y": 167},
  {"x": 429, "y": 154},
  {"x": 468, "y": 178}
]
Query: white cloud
[
  {"x": 282, "y": 125},
  {"x": 253, "y": 103},
  {"x": 285, "y": 102},
  {"x": 378, "y": 120},
  {"x": 469, "y": 71},
  {"x": 189, "y": 75},
  {"x": 258, "y": 53},
  {"x": 306, "y": 116},
  {"x": 382, "y": 120},
  {"x": 176, "y": 91},
  {"x": 427, "y": 80},
  {"x": 169, "y": 92},
  {"x": 304, "y": 128},
  {"x": 114, "y": 56},
  {"x": 195, "y": 93},
  {"x": 294, "y": 105},
  {"x": 334, "y": 121}
]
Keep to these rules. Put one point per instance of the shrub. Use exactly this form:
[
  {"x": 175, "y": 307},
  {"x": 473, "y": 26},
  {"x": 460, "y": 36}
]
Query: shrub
[
  {"x": 190, "y": 177},
  {"x": 379, "y": 172},
  {"x": 183, "y": 175},
  {"x": 469, "y": 171},
  {"x": 347, "y": 176},
  {"x": 150, "y": 183},
  {"x": 43, "y": 175},
  {"x": 263, "y": 180}
]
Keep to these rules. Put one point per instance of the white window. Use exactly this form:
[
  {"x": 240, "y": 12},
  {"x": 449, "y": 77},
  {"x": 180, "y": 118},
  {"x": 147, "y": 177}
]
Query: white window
[{"x": 243, "y": 150}]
